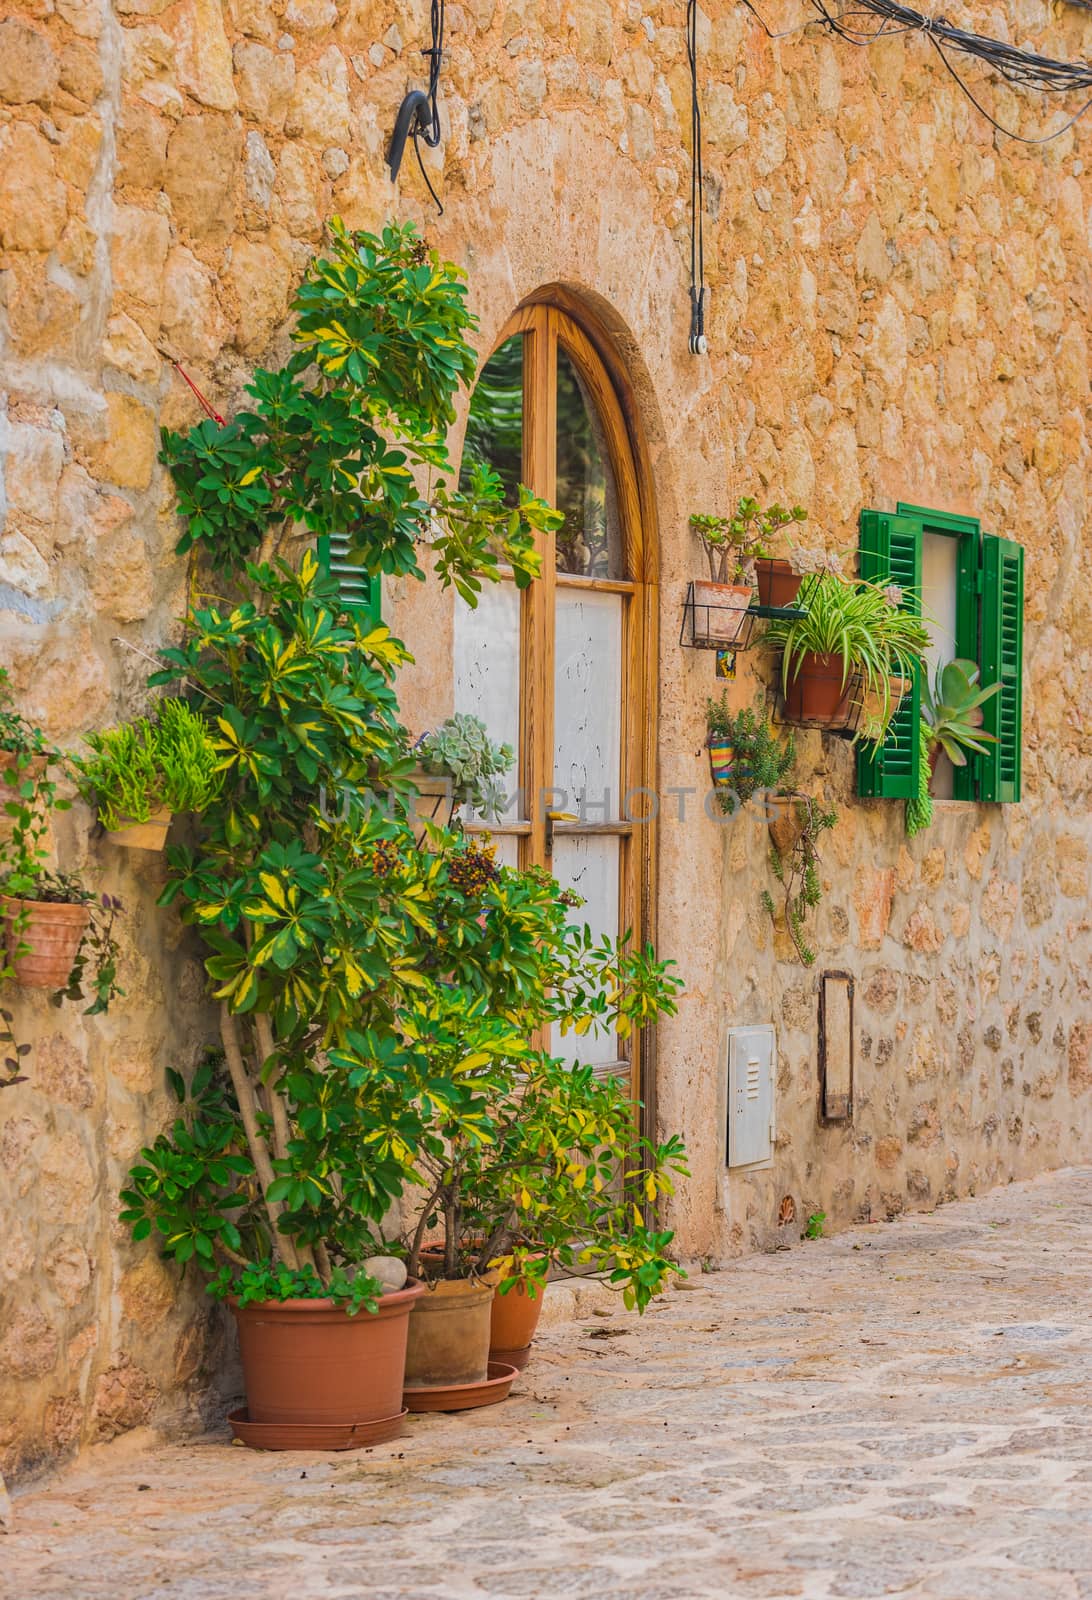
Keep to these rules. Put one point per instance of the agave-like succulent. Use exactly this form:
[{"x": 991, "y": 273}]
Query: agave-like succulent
[{"x": 952, "y": 709}]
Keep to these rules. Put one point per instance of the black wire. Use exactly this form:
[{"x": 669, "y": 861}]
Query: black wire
[
  {"x": 1019, "y": 67},
  {"x": 697, "y": 192},
  {"x": 430, "y": 132}
]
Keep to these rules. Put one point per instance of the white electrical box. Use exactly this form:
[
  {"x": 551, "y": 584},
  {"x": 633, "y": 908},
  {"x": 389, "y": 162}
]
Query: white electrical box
[{"x": 752, "y": 1053}]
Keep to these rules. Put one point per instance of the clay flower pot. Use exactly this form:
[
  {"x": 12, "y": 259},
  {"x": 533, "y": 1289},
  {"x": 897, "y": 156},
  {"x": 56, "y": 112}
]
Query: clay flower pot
[
  {"x": 719, "y": 612},
  {"x": 821, "y": 694},
  {"x": 53, "y": 933},
  {"x": 873, "y": 722},
  {"x": 784, "y": 822},
  {"x": 150, "y": 835},
  {"x": 778, "y": 584},
  {"x": 308, "y": 1362},
  {"x": 449, "y": 1334},
  {"x": 513, "y": 1324}
]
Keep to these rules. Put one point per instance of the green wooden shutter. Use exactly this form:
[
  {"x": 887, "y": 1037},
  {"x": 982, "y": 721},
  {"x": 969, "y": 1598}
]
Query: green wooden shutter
[
  {"x": 354, "y": 584},
  {"x": 1002, "y": 660},
  {"x": 890, "y": 550}
]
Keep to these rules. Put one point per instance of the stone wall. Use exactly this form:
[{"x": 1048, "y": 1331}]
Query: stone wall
[{"x": 899, "y": 310}]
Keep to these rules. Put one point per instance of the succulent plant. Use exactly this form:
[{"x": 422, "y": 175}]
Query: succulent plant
[
  {"x": 461, "y": 749},
  {"x": 952, "y": 710}
]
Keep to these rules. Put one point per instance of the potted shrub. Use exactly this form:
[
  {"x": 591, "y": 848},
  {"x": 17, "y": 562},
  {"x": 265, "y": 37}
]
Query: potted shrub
[
  {"x": 537, "y": 1165},
  {"x": 374, "y": 999},
  {"x": 56, "y": 933},
  {"x": 721, "y": 601},
  {"x": 460, "y": 765},
  {"x": 143, "y": 772},
  {"x": 854, "y": 641},
  {"x": 745, "y": 755}
]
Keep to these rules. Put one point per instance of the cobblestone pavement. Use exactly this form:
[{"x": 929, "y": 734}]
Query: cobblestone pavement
[{"x": 902, "y": 1410}]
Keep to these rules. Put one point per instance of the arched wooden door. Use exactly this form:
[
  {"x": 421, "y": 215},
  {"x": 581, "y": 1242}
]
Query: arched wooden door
[{"x": 566, "y": 671}]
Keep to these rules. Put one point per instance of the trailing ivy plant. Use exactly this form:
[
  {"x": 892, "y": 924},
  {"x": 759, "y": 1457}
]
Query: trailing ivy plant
[
  {"x": 29, "y": 793},
  {"x": 796, "y": 869},
  {"x": 367, "y": 989}
]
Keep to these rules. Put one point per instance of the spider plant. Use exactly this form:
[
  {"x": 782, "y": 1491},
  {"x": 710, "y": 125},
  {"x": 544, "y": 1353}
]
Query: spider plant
[{"x": 863, "y": 625}]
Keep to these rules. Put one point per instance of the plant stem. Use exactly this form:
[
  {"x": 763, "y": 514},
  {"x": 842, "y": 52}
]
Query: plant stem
[{"x": 248, "y": 1110}]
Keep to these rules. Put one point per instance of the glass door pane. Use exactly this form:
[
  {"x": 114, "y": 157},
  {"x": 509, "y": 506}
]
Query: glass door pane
[
  {"x": 588, "y": 702},
  {"x": 589, "y": 543}
]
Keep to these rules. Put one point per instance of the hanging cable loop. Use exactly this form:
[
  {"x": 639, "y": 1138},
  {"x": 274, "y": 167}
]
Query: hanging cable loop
[{"x": 419, "y": 114}]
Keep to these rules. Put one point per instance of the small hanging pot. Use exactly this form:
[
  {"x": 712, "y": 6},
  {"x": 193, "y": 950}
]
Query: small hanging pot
[
  {"x": 721, "y": 760},
  {"x": 720, "y": 610},
  {"x": 784, "y": 821},
  {"x": 53, "y": 934},
  {"x": 150, "y": 835},
  {"x": 778, "y": 584}
]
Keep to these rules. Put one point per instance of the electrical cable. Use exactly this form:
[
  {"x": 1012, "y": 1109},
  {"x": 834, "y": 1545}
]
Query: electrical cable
[
  {"x": 419, "y": 114},
  {"x": 699, "y": 345},
  {"x": 1022, "y": 68}
]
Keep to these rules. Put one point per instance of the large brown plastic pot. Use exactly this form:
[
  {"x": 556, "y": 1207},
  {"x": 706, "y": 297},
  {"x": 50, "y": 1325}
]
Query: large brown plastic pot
[
  {"x": 53, "y": 934},
  {"x": 449, "y": 1334},
  {"x": 820, "y": 693},
  {"x": 309, "y": 1361},
  {"x": 513, "y": 1325}
]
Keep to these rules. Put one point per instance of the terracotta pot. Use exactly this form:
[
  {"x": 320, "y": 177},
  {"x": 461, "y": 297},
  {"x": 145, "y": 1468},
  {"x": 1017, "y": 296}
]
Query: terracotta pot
[
  {"x": 513, "y": 1324},
  {"x": 721, "y": 757},
  {"x": 449, "y": 1334},
  {"x": 872, "y": 719},
  {"x": 53, "y": 934},
  {"x": 719, "y": 611},
  {"x": 818, "y": 694},
  {"x": 150, "y": 835},
  {"x": 778, "y": 584},
  {"x": 784, "y": 822},
  {"x": 309, "y": 1361}
]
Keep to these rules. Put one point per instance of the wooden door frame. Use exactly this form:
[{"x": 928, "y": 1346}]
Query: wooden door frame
[{"x": 555, "y": 316}]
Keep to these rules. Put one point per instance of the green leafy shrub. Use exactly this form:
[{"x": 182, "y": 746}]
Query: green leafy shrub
[
  {"x": 167, "y": 762},
  {"x": 376, "y": 1001}
]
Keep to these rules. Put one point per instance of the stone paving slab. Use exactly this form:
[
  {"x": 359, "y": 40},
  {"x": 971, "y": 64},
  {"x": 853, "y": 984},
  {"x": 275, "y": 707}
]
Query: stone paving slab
[{"x": 902, "y": 1410}]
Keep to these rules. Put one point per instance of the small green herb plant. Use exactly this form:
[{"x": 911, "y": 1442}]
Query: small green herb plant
[
  {"x": 733, "y": 544},
  {"x": 169, "y": 762},
  {"x": 813, "y": 1228},
  {"x": 797, "y": 870},
  {"x": 28, "y": 794},
  {"x": 461, "y": 750},
  {"x": 761, "y": 761}
]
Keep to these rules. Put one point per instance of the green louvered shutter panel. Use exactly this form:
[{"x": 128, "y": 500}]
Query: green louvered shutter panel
[
  {"x": 1002, "y": 660},
  {"x": 354, "y": 584},
  {"x": 890, "y": 550}
]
